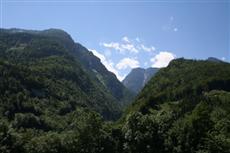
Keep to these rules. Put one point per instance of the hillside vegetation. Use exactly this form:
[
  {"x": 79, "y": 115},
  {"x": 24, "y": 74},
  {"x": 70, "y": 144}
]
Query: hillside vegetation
[
  {"x": 183, "y": 109},
  {"x": 51, "y": 68},
  {"x": 54, "y": 101}
]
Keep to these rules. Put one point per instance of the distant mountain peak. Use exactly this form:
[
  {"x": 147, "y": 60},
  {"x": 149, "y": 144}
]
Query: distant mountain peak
[
  {"x": 214, "y": 59},
  {"x": 138, "y": 77}
]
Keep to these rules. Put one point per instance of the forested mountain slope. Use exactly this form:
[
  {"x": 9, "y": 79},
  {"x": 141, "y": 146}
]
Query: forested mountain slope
[
  {"x": 184, "y": 79},
  {"x": 96, "y": 69},
  {"x": 42, "y": 69},
  {"x": 185, "y": 108},
  {"x": 52, "y": 102}
]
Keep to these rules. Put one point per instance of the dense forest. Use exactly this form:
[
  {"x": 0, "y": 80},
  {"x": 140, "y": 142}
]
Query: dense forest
[{"x": 57, "y": 97}]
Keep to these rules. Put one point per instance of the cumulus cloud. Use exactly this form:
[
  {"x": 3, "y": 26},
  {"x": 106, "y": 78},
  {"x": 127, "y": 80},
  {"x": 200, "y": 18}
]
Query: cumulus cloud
[
  {"x": 138, "y": 39},
  {"x": 113, "y": 45},
  {"x": 127, "y": 63},
  {"x": 122, "y": 47},
  {"x": 162, "y": 59},
  {"x": 128, "y": 45},
  {"x": 126, "y": 39},
  {"x": 223, "y": 58},
  {"x": 147, "y": 49},
  {"x": 107, "y": 63}
]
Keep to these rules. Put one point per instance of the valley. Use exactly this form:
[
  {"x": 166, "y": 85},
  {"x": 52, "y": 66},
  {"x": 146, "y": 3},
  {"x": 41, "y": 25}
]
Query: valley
[{"x": 58, "y": 97}]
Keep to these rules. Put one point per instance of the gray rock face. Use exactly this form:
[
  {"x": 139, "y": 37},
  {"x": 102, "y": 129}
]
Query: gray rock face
[{"x": 138, "y": 77}]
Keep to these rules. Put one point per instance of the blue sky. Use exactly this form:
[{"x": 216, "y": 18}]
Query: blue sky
[{"x": 128, "y": 34}]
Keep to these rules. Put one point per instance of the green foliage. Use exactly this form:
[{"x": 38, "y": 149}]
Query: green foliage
[
  {"x": 142, "y": 134},
  {"x": 41, "y": 67},
  {"x": 84, "y": 134},
  {"x": 52, "y": 102},
  {"x": 48, "y": 98},
  {"x": 107, "y": 79},
  {"x": 188, "y": 102}
]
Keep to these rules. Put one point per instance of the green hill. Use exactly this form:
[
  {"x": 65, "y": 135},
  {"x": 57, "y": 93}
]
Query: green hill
[
  {"x": 42, "y": 67},
  {"x": 96, "y": 69},
  {"x": 183, "y": 109},
  {"x": 55, "y": 96}
]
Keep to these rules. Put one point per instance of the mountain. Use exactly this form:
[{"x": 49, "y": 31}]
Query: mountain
[
  {"x": 183, "y": 108},
  {"x": 55, "y": 96},
  {"x": 138, "y": 77},
  {"x": 94, "y": 67},
  {"x": 50, "y": 72},
  {"x": 89, "y": 62},
  {"x": 52, "y": 102},
  {"x": 213, "y": 59}
]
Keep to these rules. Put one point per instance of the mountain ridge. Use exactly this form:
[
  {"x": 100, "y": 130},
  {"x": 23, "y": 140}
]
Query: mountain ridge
[
  {"x": 57, "y": 97},
  {"x": 26, "y": 47},
  {"x": 138, "y": 77}
]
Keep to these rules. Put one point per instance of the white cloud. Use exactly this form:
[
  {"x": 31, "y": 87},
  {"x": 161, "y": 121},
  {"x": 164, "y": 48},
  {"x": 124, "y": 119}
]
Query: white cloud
[
  {"x": 162, "y": 59},
  {"x": 112, "y": 45},
  {"x": 121, "y": 47},
  {"x": 127, "y": 63},
  {"x": 138, "y": 39},
  {"x": 223, "y": 58},
  {"x": 129, "y": 47},
  {"x": 107, "y": 63},
  {"x": 126, "y": 39},
  {"x": 153, "y": 48},
  {"x": 175, "y": 29},
  {"x": 147, "y": 49}
]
